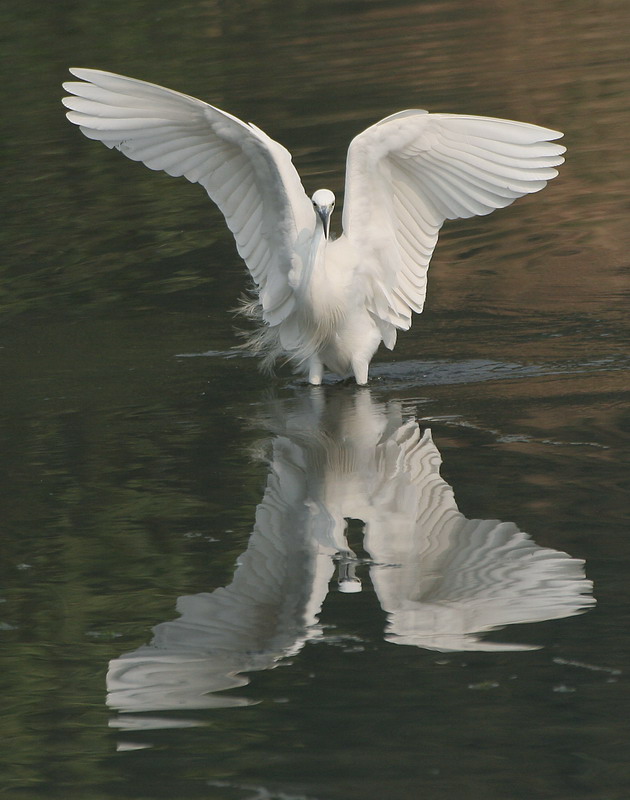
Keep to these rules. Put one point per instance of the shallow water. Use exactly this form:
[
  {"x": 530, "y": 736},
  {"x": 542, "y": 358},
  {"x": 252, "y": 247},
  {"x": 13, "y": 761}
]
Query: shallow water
[{"x": 173, "y": 535}]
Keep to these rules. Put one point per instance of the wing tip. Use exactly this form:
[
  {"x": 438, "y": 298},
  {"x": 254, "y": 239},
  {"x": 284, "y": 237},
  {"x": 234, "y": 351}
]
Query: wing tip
[
  {"x": 556, "y": 135},
  {"x": 83, "y": 73}
]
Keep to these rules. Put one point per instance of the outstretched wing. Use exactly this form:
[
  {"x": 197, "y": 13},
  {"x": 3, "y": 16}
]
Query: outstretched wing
[
  {"x": 247, "y": 174},
  {"x": 412, "y": 171}
]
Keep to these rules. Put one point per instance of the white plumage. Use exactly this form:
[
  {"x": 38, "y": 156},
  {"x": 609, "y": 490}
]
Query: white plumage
[{"x": 325, "y": 303}]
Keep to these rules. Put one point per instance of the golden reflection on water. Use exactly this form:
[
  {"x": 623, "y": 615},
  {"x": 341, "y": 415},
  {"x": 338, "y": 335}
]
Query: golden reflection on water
[{"x": 313, "y": 80}]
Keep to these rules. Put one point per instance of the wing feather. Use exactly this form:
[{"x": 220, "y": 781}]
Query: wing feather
[
  {"x": 248, "y": 175},
  {"x": 409, "y": 173}
]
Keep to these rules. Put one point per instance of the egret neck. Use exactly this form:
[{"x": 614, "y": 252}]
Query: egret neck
[{"x": 316, "y": 283}]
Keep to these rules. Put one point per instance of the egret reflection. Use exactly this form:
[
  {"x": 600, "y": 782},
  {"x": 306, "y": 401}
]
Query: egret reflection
[{"x": 442, "y": 579}]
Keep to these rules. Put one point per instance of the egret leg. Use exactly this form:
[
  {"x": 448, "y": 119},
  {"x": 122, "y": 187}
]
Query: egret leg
[
  {"x": 360, "y": 370},
  {"x": 315, "y": 371}
]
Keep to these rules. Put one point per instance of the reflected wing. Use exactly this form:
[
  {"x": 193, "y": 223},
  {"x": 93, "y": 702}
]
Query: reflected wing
[
  {"x": 247, "y": 174},
  {"x": 455, "y": 577},
  {"x": 268, "y": 611},
  {"x": 412, "y": 171}
]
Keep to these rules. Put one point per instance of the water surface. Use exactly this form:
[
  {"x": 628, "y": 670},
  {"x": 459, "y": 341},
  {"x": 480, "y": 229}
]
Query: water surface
[{"x": 181, "y": 534}]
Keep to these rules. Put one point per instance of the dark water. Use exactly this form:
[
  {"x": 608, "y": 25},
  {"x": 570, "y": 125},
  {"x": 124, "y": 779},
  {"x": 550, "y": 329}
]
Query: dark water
[{"x": 171, "y": 620}]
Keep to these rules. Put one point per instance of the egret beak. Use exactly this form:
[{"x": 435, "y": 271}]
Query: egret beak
[
  {"x": 324, "y": 214},
  {"x": 348, "y": 581}
]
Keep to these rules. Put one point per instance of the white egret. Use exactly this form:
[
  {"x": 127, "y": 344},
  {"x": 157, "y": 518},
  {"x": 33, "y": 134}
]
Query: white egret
[{"x": 324, "y": 302}]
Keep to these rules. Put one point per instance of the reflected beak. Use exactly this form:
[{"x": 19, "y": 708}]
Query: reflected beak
[{"x": 324, "y": 215}]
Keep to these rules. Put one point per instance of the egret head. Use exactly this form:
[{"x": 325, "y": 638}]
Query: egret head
[{"x": 324, "y": 202}]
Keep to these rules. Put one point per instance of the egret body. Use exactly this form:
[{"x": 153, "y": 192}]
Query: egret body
[{"x": 325, "y": 303}]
